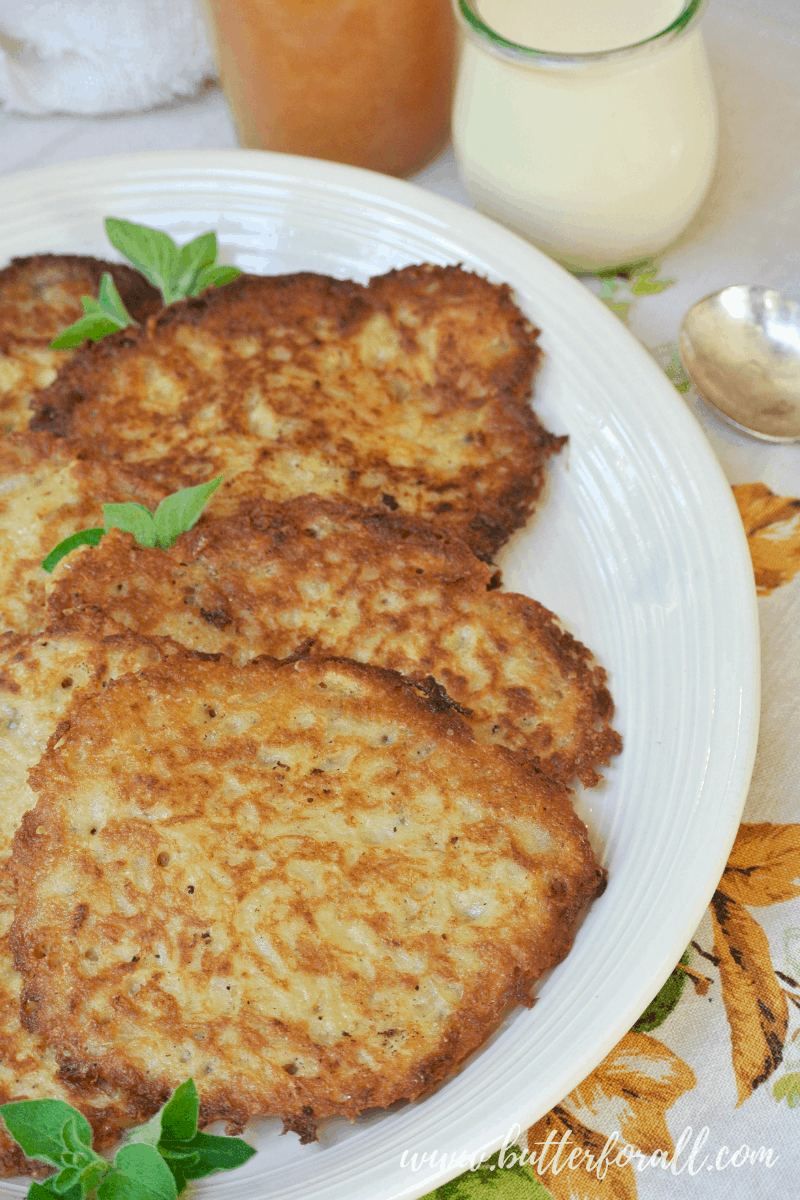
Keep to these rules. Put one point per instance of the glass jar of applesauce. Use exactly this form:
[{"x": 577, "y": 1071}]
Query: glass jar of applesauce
[
  {"x": 366, "y": 82},
  {"x": 588, "y": 126}
]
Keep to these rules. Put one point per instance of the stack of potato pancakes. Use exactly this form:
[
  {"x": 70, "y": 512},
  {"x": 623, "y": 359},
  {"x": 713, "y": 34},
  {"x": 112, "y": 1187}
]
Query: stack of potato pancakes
[{"x": 284, "y": 807}]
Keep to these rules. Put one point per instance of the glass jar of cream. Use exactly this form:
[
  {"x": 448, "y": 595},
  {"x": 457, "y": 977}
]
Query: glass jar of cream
[{"x": 599, "y": 147}]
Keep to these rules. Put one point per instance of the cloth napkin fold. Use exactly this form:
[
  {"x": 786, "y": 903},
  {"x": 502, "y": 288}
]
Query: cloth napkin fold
[{"x": 95, "y": 56}]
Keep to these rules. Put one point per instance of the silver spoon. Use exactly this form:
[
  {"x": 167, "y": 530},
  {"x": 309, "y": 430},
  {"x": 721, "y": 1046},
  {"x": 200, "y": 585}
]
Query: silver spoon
[{"x": 741, "y": 350}]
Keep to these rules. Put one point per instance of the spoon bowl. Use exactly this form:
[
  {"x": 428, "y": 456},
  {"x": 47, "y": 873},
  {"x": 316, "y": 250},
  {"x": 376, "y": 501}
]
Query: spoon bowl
[{"x": 741, "y": 349}]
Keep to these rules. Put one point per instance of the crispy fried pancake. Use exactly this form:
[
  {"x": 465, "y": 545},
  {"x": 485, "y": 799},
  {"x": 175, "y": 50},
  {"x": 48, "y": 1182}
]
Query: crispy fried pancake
[
  {"x": 380, "y": 588},
  {"x": 39, "y": 297},
  {"x": 412, "y": 392},
  {"x": 40, "y": 678},
  {"x": 45, "y": 495},
  {"x": 300, "y": 883}
]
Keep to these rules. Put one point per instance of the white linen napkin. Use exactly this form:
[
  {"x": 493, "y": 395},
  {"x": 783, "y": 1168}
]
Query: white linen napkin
[{"x": 99, "y": 56}]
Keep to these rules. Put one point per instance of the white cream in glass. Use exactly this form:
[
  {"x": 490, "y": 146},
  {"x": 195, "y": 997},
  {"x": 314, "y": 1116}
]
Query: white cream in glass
[{"x": 588, "y": 126}]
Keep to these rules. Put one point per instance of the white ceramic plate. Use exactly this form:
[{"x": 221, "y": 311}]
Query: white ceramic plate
[{"x": 638, "y": 547}]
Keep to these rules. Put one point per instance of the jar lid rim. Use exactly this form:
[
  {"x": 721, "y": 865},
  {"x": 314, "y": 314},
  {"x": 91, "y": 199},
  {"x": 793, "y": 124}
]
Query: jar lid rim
[{"x": 479, "y": 31}]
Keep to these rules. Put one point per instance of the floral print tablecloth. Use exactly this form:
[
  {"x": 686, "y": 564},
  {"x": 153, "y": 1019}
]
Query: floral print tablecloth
[{"x": 701, "y": 1098}]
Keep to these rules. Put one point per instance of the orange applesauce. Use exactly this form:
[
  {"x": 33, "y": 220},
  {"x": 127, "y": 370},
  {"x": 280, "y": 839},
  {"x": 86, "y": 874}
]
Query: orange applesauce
[{"x": 365, "y": 82}]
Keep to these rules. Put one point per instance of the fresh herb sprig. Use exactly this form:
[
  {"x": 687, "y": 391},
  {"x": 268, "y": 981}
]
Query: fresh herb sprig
[
  {"x": 174, "y": 516},
  {"x": 156, "y": 1162},
  {"x": 104, "y": 315},
  {"x": 176, "y": 271}
]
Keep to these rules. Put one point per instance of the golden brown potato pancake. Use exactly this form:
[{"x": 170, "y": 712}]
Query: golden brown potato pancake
[
  {"x": 302, "y": 884},
  {"x": 39, "y": 297},
  {"x": 411, "y": 392},
  {"x": 40, "y": 678},
  {"x": 377, "y": 587},
  {"x": 46, "y": 494}
]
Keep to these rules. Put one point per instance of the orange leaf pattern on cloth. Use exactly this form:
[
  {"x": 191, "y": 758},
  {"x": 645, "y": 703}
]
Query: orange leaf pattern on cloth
[
  {"x": 754, "y": 1000},
  {"x": 586, "y": 1180},
  {"x": 628, "y": 1094},
  {"x": 772, "y": 525},
  {"x": 764, "y": 865}
]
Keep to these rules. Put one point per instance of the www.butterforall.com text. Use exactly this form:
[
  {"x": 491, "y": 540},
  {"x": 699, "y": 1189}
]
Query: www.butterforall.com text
[{"x": 554, "y": 1156}]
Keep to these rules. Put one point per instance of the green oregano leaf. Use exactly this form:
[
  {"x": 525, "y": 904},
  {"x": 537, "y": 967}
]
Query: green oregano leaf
[
  {"x": 110, "y": 301},
  {"x": 84, "y": 537},
  {"x": 181, "y": 511},
  {"x": 216, "y": 275},
  {"x": 67, "y": 1180},
  {"x": 78, "y": 1138},
  {"x": 176, "y": 1120},
  {"x": 147, "y": 1134},
  {"x": 91, "y": 328},
  {"x": 208, "y": 1153},
  {"x": 188, "y": 1153},
  {"x": 104, "y": 315},
  {"x": 194, "y": 258},
  {"x": 175, "y": 272},
  {"x": 180, "y": 1114},
  {"x": 133, "y": 518},
  {"x": 175, "y": 1169},
  {"x": 155, "y": 1163},
  {"x": 91, "y": 1176},
  {"x": 174, "y": 516},
  {"x": 139, "y": 1173},
  {"x": 45, "y": 1191},
  {"x": 152, "y": 252},
  {"x": 47, "y": 1130},
  {"x": 40, "y": 1191}
]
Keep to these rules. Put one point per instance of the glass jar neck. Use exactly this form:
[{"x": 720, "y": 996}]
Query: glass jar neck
[{"x": 480, "y": 33}]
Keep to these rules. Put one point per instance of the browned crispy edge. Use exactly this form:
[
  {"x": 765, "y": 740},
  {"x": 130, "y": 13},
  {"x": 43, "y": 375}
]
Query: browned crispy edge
[
  {"x": 109, "y": 1122},
  {"x": 460, "y": 1039},
  {"x": 54, "y": 406},
  {"x": 107, "y": 1125},
  {"x": 348, "y": 303},
  {"x": 498, "y": 515},
  {"x": 140, "y": 298},
  {"x": 14, "y": 1162},
  {"x": 283, "y": 522}
]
